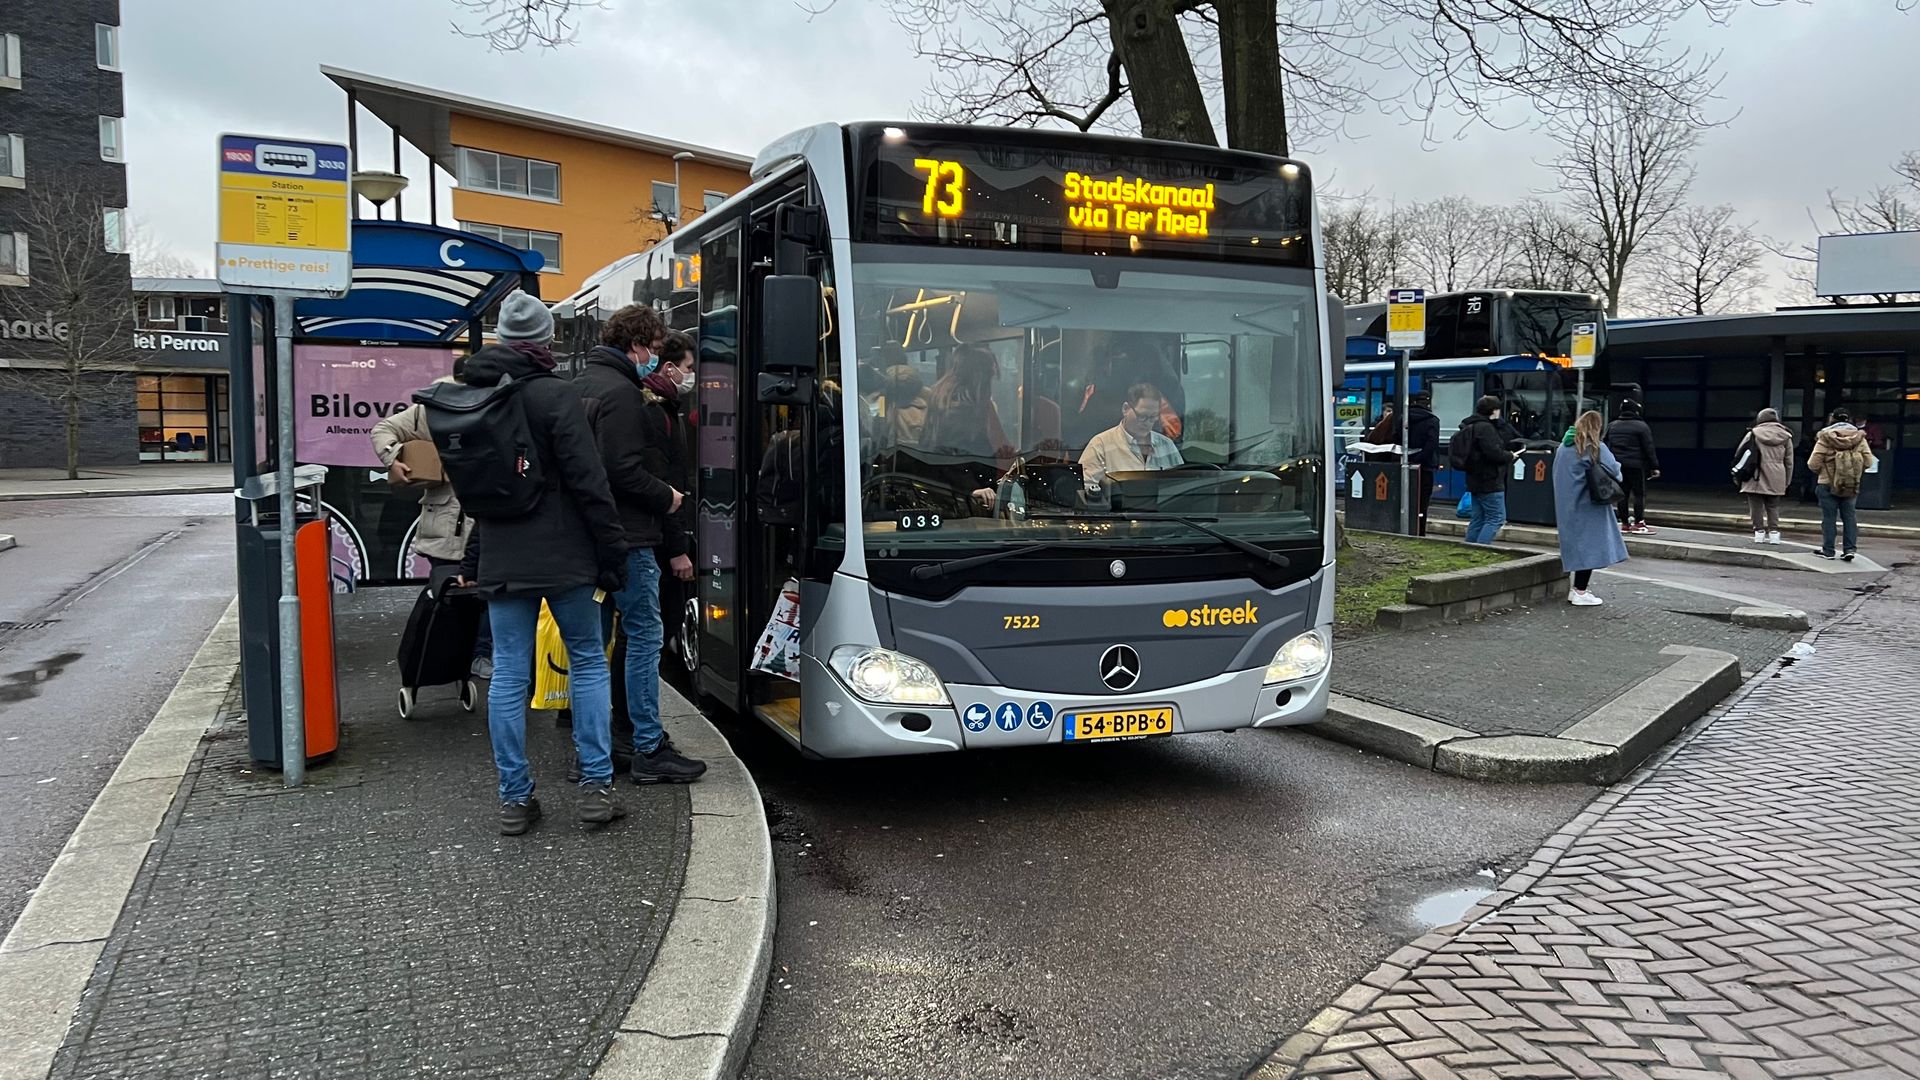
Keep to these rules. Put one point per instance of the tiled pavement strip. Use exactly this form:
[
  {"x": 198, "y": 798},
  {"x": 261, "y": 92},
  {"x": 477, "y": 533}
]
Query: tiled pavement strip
[{"x": 1748, "y": 906}]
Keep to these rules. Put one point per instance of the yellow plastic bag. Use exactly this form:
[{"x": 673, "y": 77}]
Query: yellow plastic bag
[
  {"x": 550, "y": 660},
  {"x": 549, "y": 664}
]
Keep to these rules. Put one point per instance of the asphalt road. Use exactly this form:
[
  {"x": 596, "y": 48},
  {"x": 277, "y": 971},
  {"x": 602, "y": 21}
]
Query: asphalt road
[
  {"x": 127, "y": 589},
  {"x": 1151, "y": 910}
]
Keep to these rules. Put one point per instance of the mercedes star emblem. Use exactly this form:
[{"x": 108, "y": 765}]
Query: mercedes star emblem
[
  {"x": 1119, "y": 667},
  {"x": 1118, "y": 568}
]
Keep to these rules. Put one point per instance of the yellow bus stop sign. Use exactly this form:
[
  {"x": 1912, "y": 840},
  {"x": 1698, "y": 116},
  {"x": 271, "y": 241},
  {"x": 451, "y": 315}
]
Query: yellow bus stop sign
[
  {"x": 284, "y": 216},
  {"x": 1407, "y": 319}
]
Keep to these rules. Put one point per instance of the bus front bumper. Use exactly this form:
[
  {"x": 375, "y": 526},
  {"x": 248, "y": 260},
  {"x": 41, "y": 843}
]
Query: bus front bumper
[{"x": 837, "y": 724}]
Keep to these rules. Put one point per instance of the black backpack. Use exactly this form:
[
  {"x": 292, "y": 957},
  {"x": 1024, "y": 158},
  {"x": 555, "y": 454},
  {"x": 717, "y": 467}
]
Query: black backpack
[
  {"x": 1460, "y": 449},
  {"x": 486, "y": 446},
  {"x": 780, "y": 488}
]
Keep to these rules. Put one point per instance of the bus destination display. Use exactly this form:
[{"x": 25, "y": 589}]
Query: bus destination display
[{"x": 1045, "y": 198}]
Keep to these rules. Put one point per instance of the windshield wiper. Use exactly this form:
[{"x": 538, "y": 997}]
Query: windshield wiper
[
  {"x": 929, "y": 571},
  {"x": 1235, "y": 542}
]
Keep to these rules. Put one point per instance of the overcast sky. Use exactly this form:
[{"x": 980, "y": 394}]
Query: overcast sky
[{"x": 1826, "y": 91}]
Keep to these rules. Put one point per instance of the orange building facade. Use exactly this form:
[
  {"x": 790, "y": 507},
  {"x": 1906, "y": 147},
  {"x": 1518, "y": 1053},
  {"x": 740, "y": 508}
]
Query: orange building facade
[{"x": 581, "y": 194}]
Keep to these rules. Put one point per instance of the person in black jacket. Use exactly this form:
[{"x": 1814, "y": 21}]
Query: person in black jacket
[
  {"x": 570, "y": 543},
  {"x": 1631, "y": 441},
  {"x": 1486, "y": 461},
  {"x": 612, "y": 383}
]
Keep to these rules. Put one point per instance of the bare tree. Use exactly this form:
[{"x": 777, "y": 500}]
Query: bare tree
[
  {"x": 511, "y": 25},
  {"x": 1549, "y": 248},
  {"x": 1363, "y": 246},
  {"x": 76, "y": 309},
  {"x": 1625, "y": 170},
  {"x": 1279, "y": 68},
  {"x": 153, "y": 258},
  {"x": 1706, "y": 263},
  {"x": 1454, "y": 243}
]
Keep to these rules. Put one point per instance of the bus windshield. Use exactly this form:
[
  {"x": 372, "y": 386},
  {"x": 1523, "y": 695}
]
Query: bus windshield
[{"x": 1072, "y": 400}]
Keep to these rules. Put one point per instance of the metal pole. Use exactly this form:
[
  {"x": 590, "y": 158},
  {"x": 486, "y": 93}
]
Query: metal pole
[
  {"x": 293, "y": 725},
  {"x": 353, "y": 149},
  {"x": 1402, "y": 375},
  {"x": 397, "y": 215},
  {"x": 433, "y": 193},
  {"x": 1579, "y": 392}
]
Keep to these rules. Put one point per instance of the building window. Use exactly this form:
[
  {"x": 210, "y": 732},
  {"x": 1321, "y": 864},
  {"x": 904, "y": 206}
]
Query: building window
[
  {"x": 13, "y": 160},
  {"x": 666, "y": 201},
  {"x": 106, "y": 46},
  {"x": 115, "y": 220},
  {"x": 505, "y": 174},
  {"x": 546, "y": 243},
  {"x": 711, "y": 199},
  {"x": 175, "y": 419},
  {"x": 159, "y": 309},
  {"x": 111, "y": 148},
  {"x": 13, "y": 257},
  {"x": 10, "y": 61}
]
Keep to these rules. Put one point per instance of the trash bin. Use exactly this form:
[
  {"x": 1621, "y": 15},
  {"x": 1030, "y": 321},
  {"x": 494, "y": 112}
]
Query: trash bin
[
  {"x": 1373, "y": 495},
  {"x": 1530, "y": 488},
  {"x": 259, "y": 541}
]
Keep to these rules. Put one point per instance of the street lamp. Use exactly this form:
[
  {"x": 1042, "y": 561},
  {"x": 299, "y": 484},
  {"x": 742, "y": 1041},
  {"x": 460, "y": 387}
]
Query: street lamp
[{"x": 377, "y": 187}]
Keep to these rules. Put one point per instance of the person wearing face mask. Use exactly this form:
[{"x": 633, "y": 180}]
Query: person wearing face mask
[
  {"x": 613, "y": 383},
  {"x": 669, "y": 392}
]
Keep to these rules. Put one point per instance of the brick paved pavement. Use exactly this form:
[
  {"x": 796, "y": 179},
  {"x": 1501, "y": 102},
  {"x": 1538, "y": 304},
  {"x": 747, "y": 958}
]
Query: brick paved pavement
[
  {"x": 374, "y": 923},
  {"x": 1748, "y": 908},
  {"x": 1442, "y": 672}
]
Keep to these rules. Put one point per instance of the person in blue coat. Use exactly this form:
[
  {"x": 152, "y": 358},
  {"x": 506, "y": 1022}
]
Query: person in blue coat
[{"x": 1589, "y": 533}]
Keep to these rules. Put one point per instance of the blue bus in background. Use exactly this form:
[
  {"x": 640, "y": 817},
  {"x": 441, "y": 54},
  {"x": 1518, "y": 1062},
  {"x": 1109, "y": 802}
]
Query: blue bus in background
[{"x": 1515, "y": 344}]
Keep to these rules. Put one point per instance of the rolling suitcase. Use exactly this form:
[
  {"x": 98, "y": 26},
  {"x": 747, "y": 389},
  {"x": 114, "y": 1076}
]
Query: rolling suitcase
[{"x": 436, "y": 649}]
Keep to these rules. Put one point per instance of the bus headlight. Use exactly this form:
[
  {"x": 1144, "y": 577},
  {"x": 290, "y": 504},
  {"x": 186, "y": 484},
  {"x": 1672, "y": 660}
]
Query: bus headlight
[
  {"x": 1302, "y": 658},
  {"x": 885, "y": 677}
]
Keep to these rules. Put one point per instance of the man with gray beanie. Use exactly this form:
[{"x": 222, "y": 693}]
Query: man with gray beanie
[{"x": 568, "y": 545}]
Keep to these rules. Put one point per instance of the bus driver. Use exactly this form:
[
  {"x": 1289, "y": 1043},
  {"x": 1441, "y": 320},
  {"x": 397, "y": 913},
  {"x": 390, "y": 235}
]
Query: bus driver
[{"x": 1132, "y": 445}]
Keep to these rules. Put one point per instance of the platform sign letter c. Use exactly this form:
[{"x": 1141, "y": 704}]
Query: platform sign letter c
[{"x": 447, "y": 257}]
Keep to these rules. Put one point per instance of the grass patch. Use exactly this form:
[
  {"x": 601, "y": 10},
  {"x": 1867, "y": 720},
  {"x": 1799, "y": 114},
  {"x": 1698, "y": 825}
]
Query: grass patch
[{"x": 1372, "y": 571}]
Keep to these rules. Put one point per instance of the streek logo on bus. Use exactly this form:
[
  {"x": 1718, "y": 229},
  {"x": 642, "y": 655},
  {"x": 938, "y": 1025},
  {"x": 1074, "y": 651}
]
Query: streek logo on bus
[{"x": 1244, "y": 614}]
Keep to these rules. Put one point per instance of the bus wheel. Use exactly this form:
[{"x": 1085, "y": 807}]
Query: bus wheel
[{"x": 689, "y": 635}]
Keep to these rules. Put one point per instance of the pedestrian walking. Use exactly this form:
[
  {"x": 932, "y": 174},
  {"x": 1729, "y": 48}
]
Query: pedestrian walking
[
  {"x": 531, "y": 435},
  {"x": 1630, "y": 440},
  {"x": 1423, "y": 449},
  {"x": 1763, "y": 467},
  {"x": 1479, "y": 451},
  {"x": 625, "y": 427},
  {"x": 1586, "y": 479},
  {"x": 1839, "y": 460},
  {"x": 440, "y": 532}
]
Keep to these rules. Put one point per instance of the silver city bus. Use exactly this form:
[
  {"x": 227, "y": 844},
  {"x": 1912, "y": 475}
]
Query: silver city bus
[{"x": 1001, "y": 438}]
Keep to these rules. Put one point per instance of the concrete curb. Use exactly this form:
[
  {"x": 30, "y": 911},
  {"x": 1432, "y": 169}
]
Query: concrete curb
[
  {"x": 1768, "y": 557},
  {"x": 1286, "y": 1058},
  {"x": 86, "y": 493},
  {"x": 695, "y": 1013},
  {"x": 7, "y": 542},
  {"x": 50, "y": 953},
  {"x": 1598, "y": 749}
]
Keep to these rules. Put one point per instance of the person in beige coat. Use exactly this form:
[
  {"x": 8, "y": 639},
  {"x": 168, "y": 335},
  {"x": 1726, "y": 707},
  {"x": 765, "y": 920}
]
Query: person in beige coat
[
  {"x": 1771, "y": 445},
  {"x": 440, "y": 536}
]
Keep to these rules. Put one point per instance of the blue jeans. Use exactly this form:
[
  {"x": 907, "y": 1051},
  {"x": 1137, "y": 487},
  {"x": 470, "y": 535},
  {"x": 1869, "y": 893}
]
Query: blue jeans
[
  {"x": 639, "y": 605},
  {"x": 514, "y": 620},
  {"x": 1489, "y": 514},
  {"x": 1832, "y": 505}
]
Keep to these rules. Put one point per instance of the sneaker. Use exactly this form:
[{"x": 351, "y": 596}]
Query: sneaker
[
  {"x": 1641, "y": 528},
  {"x": 1579, "y": 598},
  {"x": 1773, "y": 537},
  {"x": 1626, "y": 528},
  {"x": 1846, "y": 556},
  {"x": 1827, "y": 555},
  {"x": 1760, "y": 536},
  {"x": 518, "y": 817},
  {"x": 482, "y": 667},
  {"x": 598, "y": 806},
  {"x": 666, "y": 766}
]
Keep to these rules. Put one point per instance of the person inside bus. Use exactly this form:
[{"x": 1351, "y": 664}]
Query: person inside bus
[
  {"x": 961, "y": 419},
  {"x": 1135, "y": 444},
  {"x": 1122, "y": 366},
  {"x": 902, "y": 405}
]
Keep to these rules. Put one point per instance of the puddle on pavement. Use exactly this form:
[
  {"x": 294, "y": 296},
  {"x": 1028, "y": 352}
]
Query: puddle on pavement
[
  {"x": 21, "y": 685},
  {"x": 1448, "y": 907}
]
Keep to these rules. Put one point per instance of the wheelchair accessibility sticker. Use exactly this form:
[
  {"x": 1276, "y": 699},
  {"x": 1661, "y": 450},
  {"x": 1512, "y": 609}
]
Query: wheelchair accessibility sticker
[{"x": 1040, "y": 716}]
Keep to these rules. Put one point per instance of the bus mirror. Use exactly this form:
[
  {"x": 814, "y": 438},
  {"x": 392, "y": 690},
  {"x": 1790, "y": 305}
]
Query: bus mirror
[
  {"x": 790, "y": 322},
  {"x": 1337, "y": 338}
]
